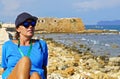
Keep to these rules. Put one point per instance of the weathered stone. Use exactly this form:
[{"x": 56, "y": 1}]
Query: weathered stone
[
  {"x": 68, "y": 72},
  {"x": 71, "y": 65},
  {"x": 114, "y": 61},
  {"x": 4, "y": 36},
  {"x": 60, "y": 25},
  {"x": 102, "y": 76}
]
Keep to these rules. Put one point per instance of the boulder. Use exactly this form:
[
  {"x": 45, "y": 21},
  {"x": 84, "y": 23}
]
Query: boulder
[{"x": 4, "y": 36}]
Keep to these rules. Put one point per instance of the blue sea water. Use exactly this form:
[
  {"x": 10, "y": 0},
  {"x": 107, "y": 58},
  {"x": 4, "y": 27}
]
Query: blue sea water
[
  {"x": 103, "y": 27},
  {"x": 100, "y": 44}
]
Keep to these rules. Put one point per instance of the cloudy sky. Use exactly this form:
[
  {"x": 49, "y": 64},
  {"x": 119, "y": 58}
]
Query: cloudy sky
[{"x": 90, "y": 11}]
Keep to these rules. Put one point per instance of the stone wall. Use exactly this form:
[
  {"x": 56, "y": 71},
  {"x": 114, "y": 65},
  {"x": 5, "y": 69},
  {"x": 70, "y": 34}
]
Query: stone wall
[
  {"x": 60, "y": 25},
  {"x": 8, "y": 25}
]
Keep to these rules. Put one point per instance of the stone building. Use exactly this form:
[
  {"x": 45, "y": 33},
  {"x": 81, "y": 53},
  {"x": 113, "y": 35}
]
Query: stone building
[
  {"x": 8, "y": 25},
  {"x": 60, "y": 25}
]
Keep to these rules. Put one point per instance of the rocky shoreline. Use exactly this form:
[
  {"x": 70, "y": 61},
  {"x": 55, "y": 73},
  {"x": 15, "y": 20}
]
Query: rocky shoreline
[
  {"x": 65, "y": 63},
  {"x": 69, "y": 63}
]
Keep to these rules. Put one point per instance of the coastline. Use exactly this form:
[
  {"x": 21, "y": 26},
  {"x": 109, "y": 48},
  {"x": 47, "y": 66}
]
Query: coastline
[
  {"x": 65, "y": 63},
  {"x": 68, "y": 63},
  {"x": 87, "y": 31}
]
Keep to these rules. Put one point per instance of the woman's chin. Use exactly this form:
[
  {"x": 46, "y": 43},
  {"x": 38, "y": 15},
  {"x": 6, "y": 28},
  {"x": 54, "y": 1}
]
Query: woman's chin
[{"x": 30, "y": 35}]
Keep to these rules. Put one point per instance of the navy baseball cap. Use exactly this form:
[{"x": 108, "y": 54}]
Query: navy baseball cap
[{"x": 23, "y": 17}]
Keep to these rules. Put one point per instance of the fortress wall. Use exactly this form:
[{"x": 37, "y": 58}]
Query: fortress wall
[{"x": 60, "y": 24}]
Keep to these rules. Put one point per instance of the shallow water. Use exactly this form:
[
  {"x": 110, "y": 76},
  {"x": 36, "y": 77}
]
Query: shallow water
[{"x": 100, "y": 44}]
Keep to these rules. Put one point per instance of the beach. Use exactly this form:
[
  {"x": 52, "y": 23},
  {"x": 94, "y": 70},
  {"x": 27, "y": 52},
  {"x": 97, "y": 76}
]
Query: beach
[{"x": 67, "y": 62}]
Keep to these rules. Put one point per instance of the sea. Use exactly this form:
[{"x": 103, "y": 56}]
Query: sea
[
  {"x": 103, "y": 27},
  {"x": 104, "y": 44}
]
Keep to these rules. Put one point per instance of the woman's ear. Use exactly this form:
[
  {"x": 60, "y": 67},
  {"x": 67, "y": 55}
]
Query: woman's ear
[{"x": 18, "y": 30}]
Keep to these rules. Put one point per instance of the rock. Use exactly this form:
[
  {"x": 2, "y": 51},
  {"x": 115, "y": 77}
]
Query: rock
[
  {"x": 101, "y": 76},
  {"x": 4, "y": 36},
  {"x": 68, "y": 72},
  {"x": 114, "y": 61},
  {"x": 69, "y": 64},
  {"x": 55, "y": 76}
]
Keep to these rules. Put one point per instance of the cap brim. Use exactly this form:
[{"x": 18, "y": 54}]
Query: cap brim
[{"x": 32, "y": 18}]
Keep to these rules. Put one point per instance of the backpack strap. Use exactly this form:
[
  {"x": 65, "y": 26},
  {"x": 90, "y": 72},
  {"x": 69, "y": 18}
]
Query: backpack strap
[{"x": 40, "y": 46}]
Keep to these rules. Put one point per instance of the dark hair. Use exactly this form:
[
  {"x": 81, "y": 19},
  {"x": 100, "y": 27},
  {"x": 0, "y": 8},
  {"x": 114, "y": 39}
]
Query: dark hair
[{"x": 17, "y": 35}]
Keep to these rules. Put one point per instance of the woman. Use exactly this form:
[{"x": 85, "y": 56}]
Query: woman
[{"x": 24, "y": 57}]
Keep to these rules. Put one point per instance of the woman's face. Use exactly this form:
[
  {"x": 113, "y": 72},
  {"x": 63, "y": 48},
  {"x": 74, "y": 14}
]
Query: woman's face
[{"x": 26, "y": 28}]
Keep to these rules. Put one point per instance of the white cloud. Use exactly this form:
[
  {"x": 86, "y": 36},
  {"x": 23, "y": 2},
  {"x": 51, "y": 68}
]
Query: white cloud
[
  {"x": 96, "y": 4},
  {"x": 13, "y": 7},
  {"x": 9, "y": 7}
]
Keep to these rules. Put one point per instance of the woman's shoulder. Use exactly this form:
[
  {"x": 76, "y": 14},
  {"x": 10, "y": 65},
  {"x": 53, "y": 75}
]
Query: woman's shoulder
[
  {"x": 39, "y": 40},
  {"x": 8, "y": 42},
  {"x": 42, "y": 41}
]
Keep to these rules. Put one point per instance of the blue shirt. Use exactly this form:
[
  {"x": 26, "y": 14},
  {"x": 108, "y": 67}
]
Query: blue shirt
[{"x": 11, "y": 55}]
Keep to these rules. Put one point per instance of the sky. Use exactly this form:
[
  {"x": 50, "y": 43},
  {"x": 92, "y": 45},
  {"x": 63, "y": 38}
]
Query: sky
[{"x": 90, "y": 11}]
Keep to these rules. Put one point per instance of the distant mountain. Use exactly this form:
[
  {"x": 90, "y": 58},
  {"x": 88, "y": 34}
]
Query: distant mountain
[{"x": 115, "y": 22}]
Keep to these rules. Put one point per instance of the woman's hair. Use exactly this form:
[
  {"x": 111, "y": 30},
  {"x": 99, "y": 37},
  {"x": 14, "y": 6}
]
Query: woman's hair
[{"x": 17, "y": 35}]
